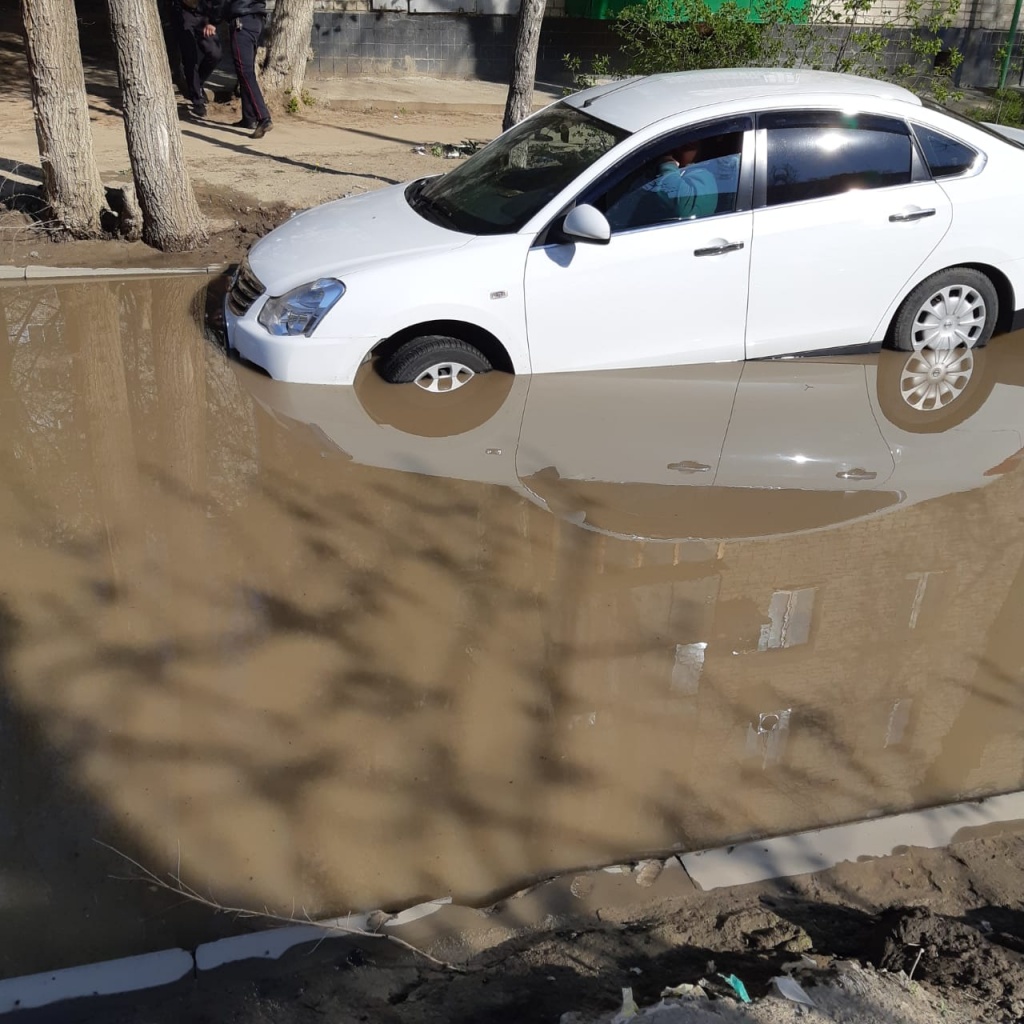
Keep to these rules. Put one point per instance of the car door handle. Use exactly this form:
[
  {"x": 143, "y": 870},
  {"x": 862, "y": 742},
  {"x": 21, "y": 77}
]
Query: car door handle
[
  {"x": 717, "y": 250},
  {"x": 902, "y": 218},
  {"x": 856, "y": 474},
  {"x": 689, "y": 466}
]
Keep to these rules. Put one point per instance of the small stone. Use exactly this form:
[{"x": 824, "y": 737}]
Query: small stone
[
  {"x": 647, "y": 872},
  {"x": 581, "y": 887}
]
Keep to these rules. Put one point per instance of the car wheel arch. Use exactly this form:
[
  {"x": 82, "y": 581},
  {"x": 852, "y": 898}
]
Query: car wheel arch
[
  {"x": 496, "y": 353},
  {"x": 1001, "y": 283}
]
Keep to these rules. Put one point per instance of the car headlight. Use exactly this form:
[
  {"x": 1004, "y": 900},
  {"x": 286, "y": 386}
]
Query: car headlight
[{"x": 301, "y": 309}]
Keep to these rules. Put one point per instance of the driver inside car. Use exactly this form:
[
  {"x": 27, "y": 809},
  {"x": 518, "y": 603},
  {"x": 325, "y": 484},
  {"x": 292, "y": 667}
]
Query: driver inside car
[{"x": 681, "y": 189}]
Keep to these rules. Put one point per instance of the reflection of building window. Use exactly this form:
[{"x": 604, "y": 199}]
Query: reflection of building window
[
  {"x": 688, "y": 666},
  {"x": 789, "y": 619},
  {"x": 767, "y": 740},
  {"x": 899, "y": 717},
  {"x": 922, "y": 579}
]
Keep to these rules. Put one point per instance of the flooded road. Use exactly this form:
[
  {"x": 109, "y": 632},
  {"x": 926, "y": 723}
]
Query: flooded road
[{"x": 320, "y": 648}]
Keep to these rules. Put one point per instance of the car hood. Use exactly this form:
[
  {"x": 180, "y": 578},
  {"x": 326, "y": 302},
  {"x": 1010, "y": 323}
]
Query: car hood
[{"x": 344, "y": 236}]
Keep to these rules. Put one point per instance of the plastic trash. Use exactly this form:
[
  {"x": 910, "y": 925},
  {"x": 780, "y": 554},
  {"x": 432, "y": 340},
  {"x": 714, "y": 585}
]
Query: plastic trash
[
  {"x": 737, "y": 986},
  {"x": 684, "y": 991},
  {"x": 792, "y": 990},
  {"x": 629, "y": 1007}
]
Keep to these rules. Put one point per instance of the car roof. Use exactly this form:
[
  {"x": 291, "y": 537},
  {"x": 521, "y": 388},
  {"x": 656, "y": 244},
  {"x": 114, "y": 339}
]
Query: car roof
[{"x": 635, "y": 103}]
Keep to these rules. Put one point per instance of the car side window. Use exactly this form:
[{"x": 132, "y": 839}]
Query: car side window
[
  {"x": 684, "y": 176},
  {"x": 813, "y": 154},
  {"x": 943, "y": 155}
]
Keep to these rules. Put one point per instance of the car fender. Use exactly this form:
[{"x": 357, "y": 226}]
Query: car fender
[{"x": 483, "y": 281}]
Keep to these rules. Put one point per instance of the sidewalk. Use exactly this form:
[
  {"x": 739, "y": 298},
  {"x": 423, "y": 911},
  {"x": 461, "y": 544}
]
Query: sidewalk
[{"x": 416, "y": 94}]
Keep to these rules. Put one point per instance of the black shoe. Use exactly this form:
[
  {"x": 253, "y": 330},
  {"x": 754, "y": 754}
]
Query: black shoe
[
  {"x": 244, "y": 124},
  {"x": 262, "y": 128},
  {"x": 199, "y": 110}
]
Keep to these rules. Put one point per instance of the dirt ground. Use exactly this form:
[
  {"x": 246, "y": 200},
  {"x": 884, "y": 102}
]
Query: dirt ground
[
  {"x": 347, "y": 141},
  {"x": 918, "y": 937}
]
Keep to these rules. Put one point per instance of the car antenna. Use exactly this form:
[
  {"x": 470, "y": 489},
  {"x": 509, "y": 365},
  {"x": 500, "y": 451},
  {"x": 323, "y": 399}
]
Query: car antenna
[{"x": 608, "y": 92}]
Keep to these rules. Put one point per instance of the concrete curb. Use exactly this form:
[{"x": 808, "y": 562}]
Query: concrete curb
[
  {"x": 46, "y": 273},
  {"x": 130, "y": 974},
  {"x": 807, "y": 852},
  {"x": 738, "y": 864}
]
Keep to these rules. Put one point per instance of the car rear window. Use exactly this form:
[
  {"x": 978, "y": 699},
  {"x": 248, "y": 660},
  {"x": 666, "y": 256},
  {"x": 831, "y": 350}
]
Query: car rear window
[
  {"x": 944, "y": 156},
  {"x": 812, "y": 154},
  {"x": 976, "y": 125}
]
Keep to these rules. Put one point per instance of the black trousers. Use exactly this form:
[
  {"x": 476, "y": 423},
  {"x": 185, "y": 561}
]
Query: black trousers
[
  {"x": 200, "y": 54},
  {"x": 245, "y": 37}
]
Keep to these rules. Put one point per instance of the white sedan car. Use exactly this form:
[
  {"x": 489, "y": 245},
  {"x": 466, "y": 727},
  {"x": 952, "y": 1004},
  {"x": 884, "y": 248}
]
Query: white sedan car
[{"x": 697, "y": 217}]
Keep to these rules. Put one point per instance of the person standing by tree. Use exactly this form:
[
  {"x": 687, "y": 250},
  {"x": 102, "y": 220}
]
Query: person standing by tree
[
  {"x": 247, "y": 19},
  {"x": 200, "y": 50}
]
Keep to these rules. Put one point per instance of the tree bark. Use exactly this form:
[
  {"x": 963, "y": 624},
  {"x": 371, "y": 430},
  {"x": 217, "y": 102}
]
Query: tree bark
[
  {"x": 524, "y": 64},
  {"x": 71, "y": 181},
  {"x": 171, "y": 220},
  {"x": 283, "y": 65}
]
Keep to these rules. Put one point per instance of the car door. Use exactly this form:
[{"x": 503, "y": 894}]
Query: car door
[
  {"x": 665, "y": 290},
  {"x": 845, "y": 214},
  {"x": 626, "y": 451},
  {"x": 805, "y": 425}
]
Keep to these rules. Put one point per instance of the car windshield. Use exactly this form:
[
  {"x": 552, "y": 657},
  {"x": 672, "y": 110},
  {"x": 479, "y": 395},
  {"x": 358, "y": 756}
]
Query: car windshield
[
  {"x": 497, "y": 190},
  {"x": 957, "y": 116}
]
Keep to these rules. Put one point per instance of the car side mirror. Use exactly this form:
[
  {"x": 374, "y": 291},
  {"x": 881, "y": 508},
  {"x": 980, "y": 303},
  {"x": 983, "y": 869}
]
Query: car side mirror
[{"x": 587, "y": 224}]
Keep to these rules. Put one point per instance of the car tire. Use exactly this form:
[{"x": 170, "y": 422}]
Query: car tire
[
  {"x": 933, "y": 390},
  {"x": 959, "y": 304},
  {"x": 434, "y": 363},
  {"x": 419, "y": 413}
]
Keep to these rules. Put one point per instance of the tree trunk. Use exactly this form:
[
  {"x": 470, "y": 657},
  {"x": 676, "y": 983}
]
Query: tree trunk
[
  {"x": 524, "y": 64},
  {"x": 71, "y": 181},
  {"x": 283, "y": 66},
  {"x": 171, "y": 220}
]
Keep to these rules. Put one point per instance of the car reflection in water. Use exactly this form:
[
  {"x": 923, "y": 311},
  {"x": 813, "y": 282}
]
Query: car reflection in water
[{"x": 722, "y": 451}]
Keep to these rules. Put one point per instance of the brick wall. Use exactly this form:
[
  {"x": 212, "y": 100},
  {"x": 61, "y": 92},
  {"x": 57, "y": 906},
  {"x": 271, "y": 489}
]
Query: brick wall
[{"x": 459, "y": 45}]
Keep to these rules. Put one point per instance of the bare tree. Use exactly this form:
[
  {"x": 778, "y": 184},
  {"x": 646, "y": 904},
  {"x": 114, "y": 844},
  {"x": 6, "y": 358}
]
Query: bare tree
[
  {"x": 71, "y": 180},
  {"x": 283, "y": 65},
  {"x": 524, "y": 64},
  {"x": 170, "y": 215}
]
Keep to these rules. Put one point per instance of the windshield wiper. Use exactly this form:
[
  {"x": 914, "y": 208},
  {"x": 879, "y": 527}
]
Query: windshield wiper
[{"x": 431, "y": 208}]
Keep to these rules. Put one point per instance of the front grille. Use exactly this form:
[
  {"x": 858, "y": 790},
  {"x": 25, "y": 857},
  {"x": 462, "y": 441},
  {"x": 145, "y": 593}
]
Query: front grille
[{"x": 245, "y": 289}]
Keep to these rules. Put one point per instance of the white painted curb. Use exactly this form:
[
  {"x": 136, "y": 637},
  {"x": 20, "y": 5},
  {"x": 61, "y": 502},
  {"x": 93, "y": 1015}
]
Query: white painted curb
[
  {"x": 824, "y": 848},
  {"x": 46, "y": 273},
  {"x": 129, "y": 974},
  {"x": 275, "y": 942}
]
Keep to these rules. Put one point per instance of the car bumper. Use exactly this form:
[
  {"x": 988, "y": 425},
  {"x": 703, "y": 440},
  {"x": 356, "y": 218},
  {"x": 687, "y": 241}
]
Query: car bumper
[{"x": 298, "y": 360}]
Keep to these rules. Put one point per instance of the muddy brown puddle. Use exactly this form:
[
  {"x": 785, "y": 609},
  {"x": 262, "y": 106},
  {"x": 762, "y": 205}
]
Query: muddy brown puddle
[{"x": 333, "y": 649}]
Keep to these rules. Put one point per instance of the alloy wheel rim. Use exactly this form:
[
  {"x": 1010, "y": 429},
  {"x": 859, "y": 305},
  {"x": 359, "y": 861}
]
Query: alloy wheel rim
[
  {"x": 934, "y": 378},
  {"x": 443, "y": 377},
  {"x": 954, "y": 315}
]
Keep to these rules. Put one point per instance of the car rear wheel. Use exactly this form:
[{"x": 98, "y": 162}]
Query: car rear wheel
[
  {"x": 435, "y": 364},
  {"x": 932, "y": 390},
  {"x": 954, "y": 307}
]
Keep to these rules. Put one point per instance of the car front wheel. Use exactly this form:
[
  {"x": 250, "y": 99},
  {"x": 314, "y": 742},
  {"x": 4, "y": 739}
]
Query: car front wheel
[
  {"x": 434, "y": 363},
  {"x": 954, "y": 307}
]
